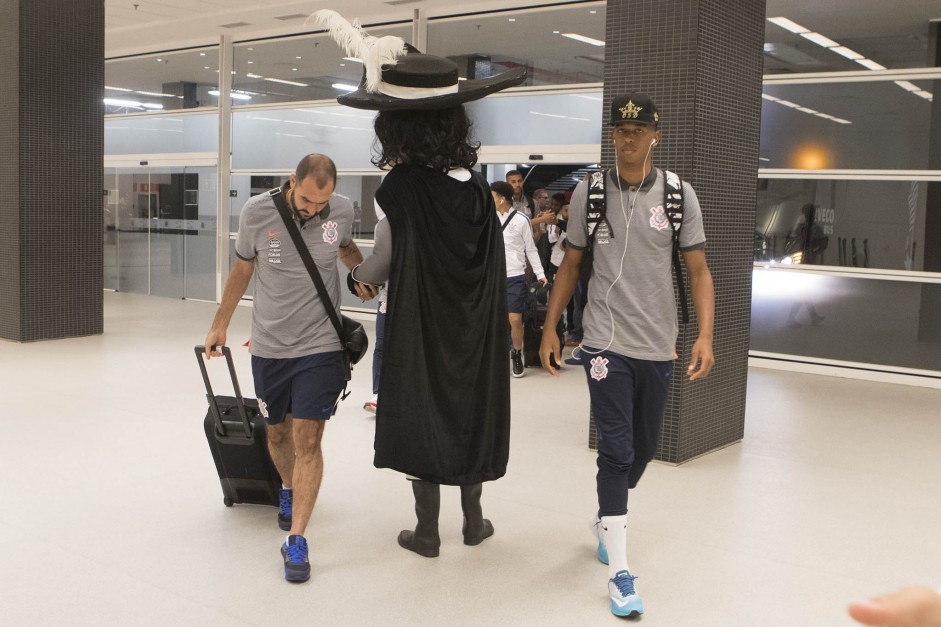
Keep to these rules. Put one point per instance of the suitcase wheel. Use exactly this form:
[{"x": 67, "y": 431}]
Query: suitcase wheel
[{"x": 228, "y": 502}]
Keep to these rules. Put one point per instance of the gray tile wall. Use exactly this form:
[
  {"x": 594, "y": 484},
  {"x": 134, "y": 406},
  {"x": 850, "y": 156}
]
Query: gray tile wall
[
  {"x": 51, "y": 147},
  {"x": 701, "y": 62}
]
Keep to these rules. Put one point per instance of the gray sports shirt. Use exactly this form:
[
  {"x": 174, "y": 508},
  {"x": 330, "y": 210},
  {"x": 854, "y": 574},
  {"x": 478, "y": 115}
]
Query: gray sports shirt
[
  {"x": 637, "y": 316},
  {"x": 288, "y": 317}
]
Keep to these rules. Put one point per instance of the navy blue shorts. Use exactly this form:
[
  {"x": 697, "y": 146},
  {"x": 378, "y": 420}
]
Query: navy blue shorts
[
  {"x": 306, "y": 387},
  {"x": 517, "y": 292}
]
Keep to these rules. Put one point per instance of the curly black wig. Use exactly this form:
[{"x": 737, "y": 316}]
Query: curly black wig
[{"x": 437, "y": 138}]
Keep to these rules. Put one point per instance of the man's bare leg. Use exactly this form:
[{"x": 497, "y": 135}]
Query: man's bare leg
[
  {"x": 281, "y": 449},
  {"x": 308, "y": 471}
]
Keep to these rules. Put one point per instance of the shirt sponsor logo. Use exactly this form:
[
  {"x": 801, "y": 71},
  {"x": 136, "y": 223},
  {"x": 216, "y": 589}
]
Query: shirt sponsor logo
[
  {"x": 658, "y": 218},
  {"x": 330, "y": 232},
  {"x": 599, "y": 368},
  {"x": 274, "y": 243},
  {"x": 602, "y": 233}
]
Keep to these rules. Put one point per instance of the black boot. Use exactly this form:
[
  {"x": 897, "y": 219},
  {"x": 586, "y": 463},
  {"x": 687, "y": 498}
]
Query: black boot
[
  {"x": 476, "y": 527},
  {"x": 424, "y": 540}
]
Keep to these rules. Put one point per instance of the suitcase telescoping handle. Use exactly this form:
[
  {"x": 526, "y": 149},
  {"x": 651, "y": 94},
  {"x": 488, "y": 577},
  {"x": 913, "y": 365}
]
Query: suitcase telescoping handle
[{"x": 217, "y": 415}]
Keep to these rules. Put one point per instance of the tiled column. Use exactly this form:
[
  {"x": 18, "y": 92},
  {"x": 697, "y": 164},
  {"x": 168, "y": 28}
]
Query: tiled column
[
  {"x": 701, "y": 62},
  {"x": 51, "y": 125}
]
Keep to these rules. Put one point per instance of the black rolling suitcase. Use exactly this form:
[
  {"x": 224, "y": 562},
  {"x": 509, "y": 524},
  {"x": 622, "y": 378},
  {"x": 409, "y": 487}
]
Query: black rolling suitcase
[
  {"x": 235, "y": 430},
  {"x": 536, "y": 310}
]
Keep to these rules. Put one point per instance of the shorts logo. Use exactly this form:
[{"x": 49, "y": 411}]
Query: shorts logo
[
  {"x": 330, "y": 234},
  {"x": 658, "y": 218},
  {"x": 599, "y": 368},
  {"x": 382, "y": 307},
  {"x": 263, "y": 408}
]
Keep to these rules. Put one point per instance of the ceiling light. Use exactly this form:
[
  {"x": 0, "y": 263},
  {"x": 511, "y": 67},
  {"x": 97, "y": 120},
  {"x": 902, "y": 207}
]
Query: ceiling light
[
  {"x": 555, "y": 32},
  {"x": 118, "y": 88},
  {"x": 116, "y": 102},
  {"x": 771, "y": 98},
  {"x": 206, "y": 67},
  {"x": 512, "y": 19},
  {"x": 908, "y": 86},
  {"x": 251, "y": 62},
  {"x": 202, "y": 54},
  {"x": 297, "y": 57},
  {"x": 352, "y": 59},
  {"x": 250, "y": 75},
  {"x": 846, "y": 52},
  {"x": 820, "y": 40},
  {"x": 154, "y": 93},
  {"x": 344, "y": 87},
  {"x": 233, "y": 95},
  {"x": 872, "y": 65},
  {"x": 583, "y": 39},
  {"x": 279, "y": 80},
  {"x": 806, "y": 110},
  {"x": 787, "y": 24},
  {"x": 924, "y": 94}
]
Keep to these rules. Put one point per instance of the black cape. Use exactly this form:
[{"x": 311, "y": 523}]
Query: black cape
[{"x": 444, "y": 408}]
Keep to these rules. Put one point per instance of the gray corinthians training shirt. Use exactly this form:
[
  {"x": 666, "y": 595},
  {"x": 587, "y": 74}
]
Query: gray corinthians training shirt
[
  {"x": 641, "y": 305},
  {"x": 288, "y": 318}
]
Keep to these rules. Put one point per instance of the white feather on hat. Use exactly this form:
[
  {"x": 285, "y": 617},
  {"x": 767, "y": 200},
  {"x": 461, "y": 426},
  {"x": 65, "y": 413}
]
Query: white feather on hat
[{"x": 374, "y": 52}]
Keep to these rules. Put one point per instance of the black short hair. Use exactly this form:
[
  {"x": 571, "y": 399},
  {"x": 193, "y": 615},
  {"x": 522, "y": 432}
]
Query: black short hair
[
  {"x": 559, "y": 197},
  {"x": 437, "y": 138},
  {"x": 320, "y": 167},
  {"x": 513, "y": 173},
  {"x": 504, "y": 189}
]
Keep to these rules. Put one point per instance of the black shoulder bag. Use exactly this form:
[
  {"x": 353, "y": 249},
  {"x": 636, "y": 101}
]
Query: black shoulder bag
[{"x": 352, "y": 334}]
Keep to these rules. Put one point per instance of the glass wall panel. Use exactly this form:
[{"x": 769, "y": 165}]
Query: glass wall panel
[
  {"x": 112, "y": 200},
  {"x": 162, "y": 81},
  {"x": 527, "y": 119},
  {"x": 199, "y": 234},
  {"x": 298, "y": 68},
  {"x": 156, "y": 134},
  {"x": 890, "y": 323},
  {"x": 486, "y": 44},
  {"x": 278, "y": 138},
  {"x": 866, "y": 224},
  {"x": 891, "y": 35},
  {"x": 877, "y": 125}
]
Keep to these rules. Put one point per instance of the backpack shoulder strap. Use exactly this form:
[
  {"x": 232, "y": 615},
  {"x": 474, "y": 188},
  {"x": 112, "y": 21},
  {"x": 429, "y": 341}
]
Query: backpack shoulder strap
[
  {"x": 597, "y": 208},
  {"x": 673, "y": 207},
  {"x": 508, "y": 220}
]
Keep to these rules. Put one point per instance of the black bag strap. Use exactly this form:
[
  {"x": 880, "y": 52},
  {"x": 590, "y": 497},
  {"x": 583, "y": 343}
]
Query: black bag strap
[
  {"x": 507, "y": 223},
  {"x": 278, "y": 196},
  {"x": 673, "y": 206},
  {"x": 597, "y": 205}
]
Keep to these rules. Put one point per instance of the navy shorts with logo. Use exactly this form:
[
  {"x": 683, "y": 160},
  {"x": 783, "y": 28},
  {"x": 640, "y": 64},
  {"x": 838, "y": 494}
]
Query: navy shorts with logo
[
  {"x": 516, "y": 294},
  {"x": 306, "y": 387}
]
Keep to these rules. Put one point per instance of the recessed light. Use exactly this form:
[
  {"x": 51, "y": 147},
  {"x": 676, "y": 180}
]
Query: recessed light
[
  {"x": 297, "y": 57},
  {"x": 512, "y": 19},
  {"x": 205, "y": 67},
  {"x": 202, "y": 54},
  {"x": 250, "y": 62},
  {"x": 251, "y": 49},
  {"x": 555, "y": 32},
  {"x": 293, "y": 69},
  {"x": 592, "y": 12}
]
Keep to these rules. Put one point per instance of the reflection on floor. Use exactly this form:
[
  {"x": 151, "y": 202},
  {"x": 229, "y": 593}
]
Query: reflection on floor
[{"x": 112, "y": 513}]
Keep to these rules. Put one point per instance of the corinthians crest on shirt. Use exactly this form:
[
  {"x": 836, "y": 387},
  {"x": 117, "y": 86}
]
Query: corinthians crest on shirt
[
  {"x": 330, "y": 232},
  {"x": 658, "y": 218}
]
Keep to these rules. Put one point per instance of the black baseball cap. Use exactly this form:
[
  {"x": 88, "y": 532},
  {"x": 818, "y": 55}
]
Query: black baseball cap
[{"x": 634, "y": 107}]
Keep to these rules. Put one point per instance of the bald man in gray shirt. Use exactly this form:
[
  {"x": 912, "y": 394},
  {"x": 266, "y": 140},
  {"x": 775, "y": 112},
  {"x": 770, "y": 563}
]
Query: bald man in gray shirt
[{"x": 297, "y": 361}]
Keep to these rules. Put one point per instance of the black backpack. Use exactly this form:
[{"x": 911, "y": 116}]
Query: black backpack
[{"x": 596, "y": 213}]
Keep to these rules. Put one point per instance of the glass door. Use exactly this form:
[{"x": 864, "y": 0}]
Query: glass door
[{"x": 160, "y": 231}]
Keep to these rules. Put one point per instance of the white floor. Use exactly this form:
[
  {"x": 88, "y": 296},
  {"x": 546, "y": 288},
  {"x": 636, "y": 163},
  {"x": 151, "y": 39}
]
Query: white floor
[{"x": 112, "y": 512}]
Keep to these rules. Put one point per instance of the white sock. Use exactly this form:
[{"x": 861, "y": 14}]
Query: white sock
[{"x": 614, "y": 533}]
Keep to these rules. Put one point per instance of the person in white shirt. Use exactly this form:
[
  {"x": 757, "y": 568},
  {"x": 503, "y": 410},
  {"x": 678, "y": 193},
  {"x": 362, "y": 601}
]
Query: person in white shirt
[{"x": 520, "y": 246}]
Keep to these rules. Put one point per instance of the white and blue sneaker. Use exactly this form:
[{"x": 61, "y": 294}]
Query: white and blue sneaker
[
  {"x": 624, "y": 598},
  {"x": 595, "y": 526}
]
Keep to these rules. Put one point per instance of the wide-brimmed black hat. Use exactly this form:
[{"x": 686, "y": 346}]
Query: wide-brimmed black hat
[
  {"x": 399, "y": 76},
  {"x": 635, "y": 107}
]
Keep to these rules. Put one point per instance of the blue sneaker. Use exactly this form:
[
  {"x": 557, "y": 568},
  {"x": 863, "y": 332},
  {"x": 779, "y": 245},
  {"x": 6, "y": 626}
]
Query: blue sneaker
[
  {"x": 286, "y": 501},
  {"x": 624, "y": 598},
  {"x": 294, "y": 552},
  {"x": 602, "y": 552}
]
